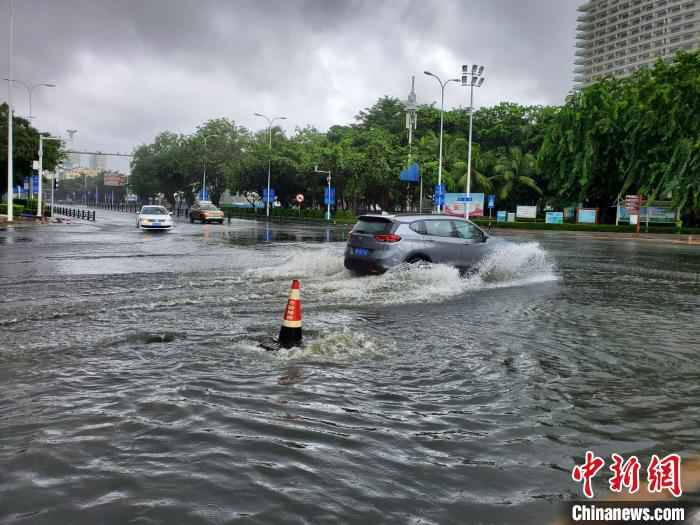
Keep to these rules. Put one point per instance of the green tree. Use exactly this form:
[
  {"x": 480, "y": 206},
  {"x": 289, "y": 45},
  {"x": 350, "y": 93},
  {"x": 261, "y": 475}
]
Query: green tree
[{"x": 515, "y": 172}]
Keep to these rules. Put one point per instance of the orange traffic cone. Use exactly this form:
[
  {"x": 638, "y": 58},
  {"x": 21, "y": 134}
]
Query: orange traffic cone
[{"x": 290, "y": 333}]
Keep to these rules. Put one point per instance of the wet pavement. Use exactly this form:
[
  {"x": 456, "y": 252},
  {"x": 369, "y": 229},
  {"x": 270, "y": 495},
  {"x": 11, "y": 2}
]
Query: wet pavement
[{"x": 133, "y": 389}]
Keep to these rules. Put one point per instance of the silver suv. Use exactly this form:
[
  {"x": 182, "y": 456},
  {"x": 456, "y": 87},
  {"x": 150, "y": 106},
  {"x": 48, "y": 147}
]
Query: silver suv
[{"x": 378, "y": 242}]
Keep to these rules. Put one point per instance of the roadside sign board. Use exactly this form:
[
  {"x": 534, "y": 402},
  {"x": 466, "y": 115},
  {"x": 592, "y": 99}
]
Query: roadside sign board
[
  {"x": 439, "y": 189},
  {"x": 554, "y": 217},
  {"x": 501, "y": 216},
  {"x": 410, "y": 174},
  {"x": 328, "y": 195},
  {"x": 300, "y": 198},
  {"x": 492, "y": 201},
  {"x": 269, "y": 197},
  {"x": 632, "y": 204},
  {"x": 526, "y": 212},
  {"x": 587, "y": 216},
  {"x": 511, "y": 216},
  {"x": 35, "y": 184}
]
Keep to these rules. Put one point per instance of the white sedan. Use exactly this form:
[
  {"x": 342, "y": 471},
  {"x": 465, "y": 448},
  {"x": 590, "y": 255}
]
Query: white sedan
[{"x": 154, "y": 218}]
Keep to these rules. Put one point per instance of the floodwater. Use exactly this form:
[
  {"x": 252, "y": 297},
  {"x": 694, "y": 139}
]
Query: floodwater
[{"x": 133, "y": 389}]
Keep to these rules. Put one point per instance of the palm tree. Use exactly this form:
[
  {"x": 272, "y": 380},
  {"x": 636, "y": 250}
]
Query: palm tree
[{"x": 513, "y": 171}]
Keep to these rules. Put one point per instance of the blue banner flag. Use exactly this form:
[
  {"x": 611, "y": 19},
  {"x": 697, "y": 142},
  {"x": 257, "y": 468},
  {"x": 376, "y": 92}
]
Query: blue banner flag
[
  {"x": 410, "y": 174},
  {"x": 203, "y": 195}
]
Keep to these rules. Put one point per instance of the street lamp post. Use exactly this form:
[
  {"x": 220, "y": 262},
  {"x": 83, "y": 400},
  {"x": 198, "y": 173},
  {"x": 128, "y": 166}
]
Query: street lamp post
[
  {"x": 442, "y": 111},
  {"x": 411, "y": 121},
  {"x": 328, "y": 172},
  {"x": 30, "y": 89},
  {"x": 39, "y": 208},
  {"x": 10, "y": 189},
  {"x": 471, "y": 80},
  {"x": 269, "y": 158},
  {"x": 204, "y": 174}
]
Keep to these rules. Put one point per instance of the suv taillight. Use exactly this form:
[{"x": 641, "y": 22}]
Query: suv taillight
[{"x": 389, "y": 237}]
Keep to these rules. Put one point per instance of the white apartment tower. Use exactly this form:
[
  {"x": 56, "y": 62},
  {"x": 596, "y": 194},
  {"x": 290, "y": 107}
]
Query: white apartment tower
[{"x": 618, "y": 37}]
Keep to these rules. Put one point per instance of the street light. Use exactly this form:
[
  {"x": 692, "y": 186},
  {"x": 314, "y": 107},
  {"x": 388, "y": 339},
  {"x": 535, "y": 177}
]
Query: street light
[
  {"x": 442, "y": 110},
  {"x": 30, "y": 89},
  {"x": 10, "y": 189},
  {"x": 269, "y": 158},
  {"x": 204, "y": 176},
  {"x": 471, "y": 80},
  {"x": 39, "y": 210},
  {"x": 328, "y": 172}
]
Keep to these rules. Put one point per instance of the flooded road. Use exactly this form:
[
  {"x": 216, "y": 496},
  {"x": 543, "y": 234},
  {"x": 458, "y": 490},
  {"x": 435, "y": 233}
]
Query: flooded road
[{"x": 133, "y": 389}]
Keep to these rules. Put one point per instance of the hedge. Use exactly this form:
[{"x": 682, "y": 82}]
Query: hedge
[{"x": 16, "y": 209}]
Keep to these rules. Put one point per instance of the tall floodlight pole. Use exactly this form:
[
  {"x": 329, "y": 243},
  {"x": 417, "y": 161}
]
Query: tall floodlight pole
[
  {"x": 471, "y": 79},
  {"x": 442, "y": 111},
  {"x": 327, "y": 172},
  {"x": 204, "y": 173},
  {"x": 411, "y": 121},
  {"x": 30, "y": 89},
  {"x": 39, "y": 207},
  {"x": 269, "y": 157},
  {"x": 10, "y": 189}
]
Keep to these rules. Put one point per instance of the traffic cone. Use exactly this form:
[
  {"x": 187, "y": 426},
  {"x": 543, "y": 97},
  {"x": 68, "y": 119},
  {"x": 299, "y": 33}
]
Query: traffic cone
[{"x": 290, "y": 333}]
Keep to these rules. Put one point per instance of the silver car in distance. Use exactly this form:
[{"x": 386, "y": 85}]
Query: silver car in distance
[{"x": 379, "y": 242}]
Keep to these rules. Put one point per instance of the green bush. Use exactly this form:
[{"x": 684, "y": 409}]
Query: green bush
[
  {"x": 622, "y": 228},
  {"x": 16, "y": 209},
  {"x": 340, "y": 216}
]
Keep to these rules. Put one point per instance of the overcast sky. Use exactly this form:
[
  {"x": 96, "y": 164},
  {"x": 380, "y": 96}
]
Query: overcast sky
[{"x": 128, "y": 69}]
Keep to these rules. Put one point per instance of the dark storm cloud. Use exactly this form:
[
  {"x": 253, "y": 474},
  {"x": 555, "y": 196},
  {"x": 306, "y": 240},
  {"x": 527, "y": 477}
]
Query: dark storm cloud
[{"x": 128, "y": 69}]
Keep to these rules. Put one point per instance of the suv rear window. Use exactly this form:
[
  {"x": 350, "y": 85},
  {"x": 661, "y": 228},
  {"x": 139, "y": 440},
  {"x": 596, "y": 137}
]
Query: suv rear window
[{"x": 372, "y": 225}]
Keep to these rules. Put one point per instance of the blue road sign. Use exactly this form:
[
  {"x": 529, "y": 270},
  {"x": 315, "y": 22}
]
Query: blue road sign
[
  {"x": 464, "y": 199},
  {"x": 440, "y": 189},
  {"x": 203, "y": 195},
  {"x": 492, "y": 201},
  {"x": 271, "y": 197},
  {"x": 410, "y": 174},
  {"x": 439, "y": 199},
  {"x": 325, "y": 196}
]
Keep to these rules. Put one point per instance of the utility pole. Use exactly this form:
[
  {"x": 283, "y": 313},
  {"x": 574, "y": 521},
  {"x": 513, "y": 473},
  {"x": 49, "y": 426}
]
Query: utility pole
[
  {"x": 476, "y": 80},
  {"x": 411, "y": 122},
  {"x": 328, "y": 212},
  {"x": 39, "y": 207},
  {"x": 10, "y": 189},
  {"x": 442, "y": 112}
]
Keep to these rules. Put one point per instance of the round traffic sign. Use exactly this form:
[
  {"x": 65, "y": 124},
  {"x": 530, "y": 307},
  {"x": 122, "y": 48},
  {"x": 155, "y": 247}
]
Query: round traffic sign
[{"x": 300, "y": 198}]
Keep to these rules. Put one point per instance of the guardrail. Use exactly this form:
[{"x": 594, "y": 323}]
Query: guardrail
[
  {"x": 117, "y": 206},
  {"x": 88, "y": 215}
]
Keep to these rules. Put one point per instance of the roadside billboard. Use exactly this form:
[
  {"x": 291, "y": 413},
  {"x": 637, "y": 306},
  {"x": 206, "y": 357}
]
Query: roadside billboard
[
  {"x": 501, "y": 216},
  {"x": 115, "y": 180},
  {"x": 453, "y": 206},
  {"x": 526, "y": 212},
  {"x": 587, "y": 216},
  {"x": 554, "y": 217}
]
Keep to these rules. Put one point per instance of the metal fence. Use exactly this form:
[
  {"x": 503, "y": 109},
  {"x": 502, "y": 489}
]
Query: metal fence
[{"x": 88, "y": 215}]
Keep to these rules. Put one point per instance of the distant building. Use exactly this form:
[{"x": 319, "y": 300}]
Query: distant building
[
  {"x": 619, "y": 37},
  {"x": 76, "y": 173},
  {"x": 100, "y": 162}
]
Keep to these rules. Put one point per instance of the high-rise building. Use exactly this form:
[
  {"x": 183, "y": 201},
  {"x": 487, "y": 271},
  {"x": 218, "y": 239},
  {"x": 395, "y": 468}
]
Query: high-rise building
[
  {"x": 618, "y": 37},
  {"x": 101, "y": 162}
]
